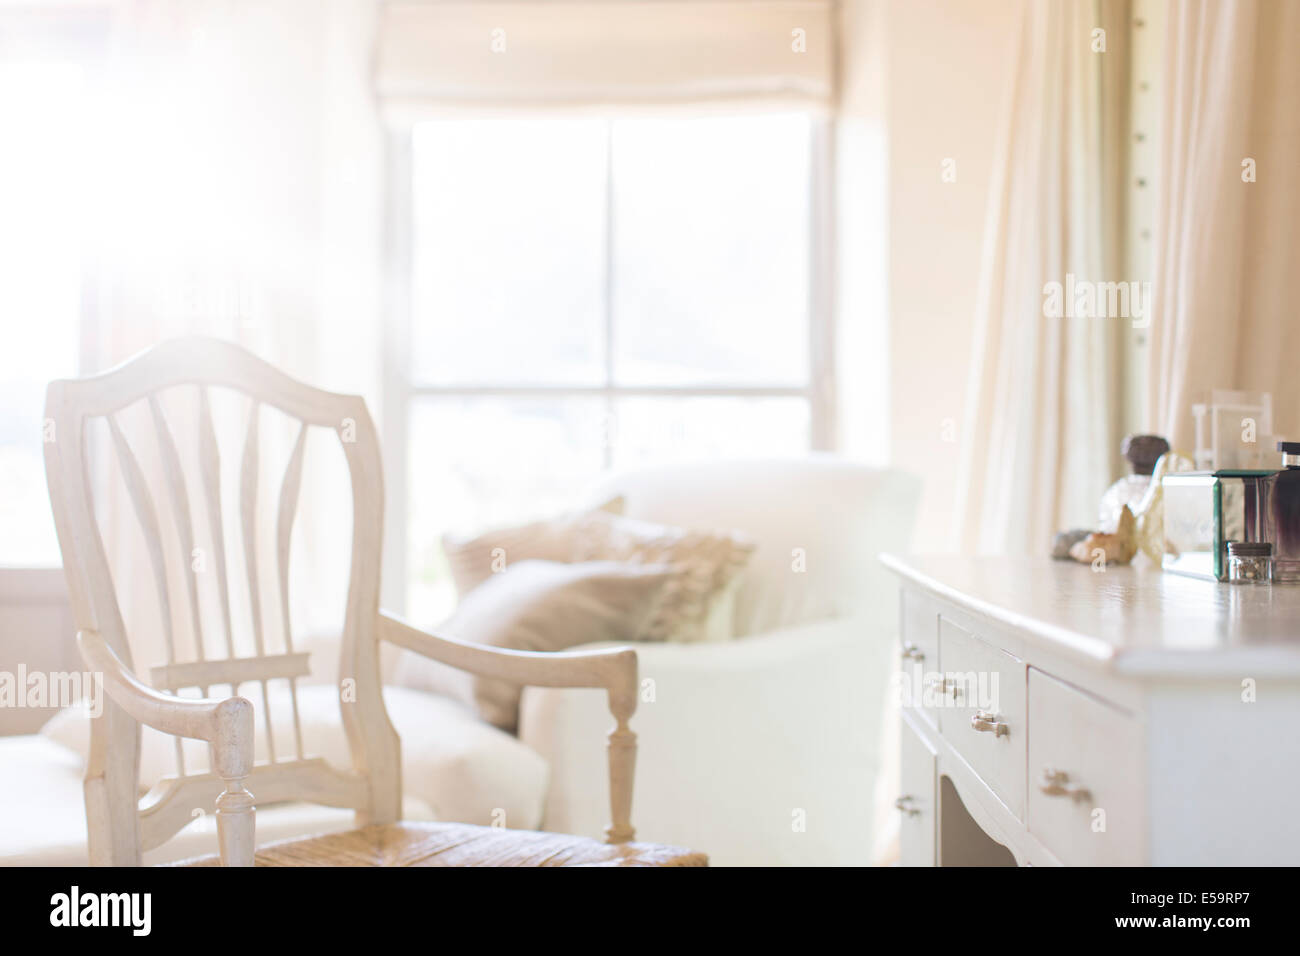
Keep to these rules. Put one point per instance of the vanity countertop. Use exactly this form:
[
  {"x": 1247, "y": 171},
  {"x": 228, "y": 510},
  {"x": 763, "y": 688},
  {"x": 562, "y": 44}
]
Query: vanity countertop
[{"x": 1138, "y": 621}]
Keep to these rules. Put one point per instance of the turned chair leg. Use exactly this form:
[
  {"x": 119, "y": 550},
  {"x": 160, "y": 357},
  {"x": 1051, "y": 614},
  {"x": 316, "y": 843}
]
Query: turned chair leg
[
  {"x": 232, "y": 758},
  {"x": 622, "y": 768},
  {"x": 235, "y": 824}
]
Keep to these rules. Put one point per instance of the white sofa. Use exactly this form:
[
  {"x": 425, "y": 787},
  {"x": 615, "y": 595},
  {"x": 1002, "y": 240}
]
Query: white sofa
[
  {"x": 760, "y": 750},
  {"x": 765, "y": 749},
  {"x": 454, "y": 767}
]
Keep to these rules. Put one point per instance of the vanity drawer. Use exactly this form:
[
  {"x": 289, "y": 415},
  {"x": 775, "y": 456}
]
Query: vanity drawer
[
  {"x": 983, "y": 714},
  {"x": 916, "y": 800},
  {"x": 920, "y": 653},
  {"x": 1085, "y": 776}
]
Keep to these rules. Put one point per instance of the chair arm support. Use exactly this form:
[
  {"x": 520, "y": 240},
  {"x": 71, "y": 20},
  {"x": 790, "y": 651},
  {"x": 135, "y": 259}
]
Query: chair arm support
[
  {"x": 226, "y": 725},
  {"x": 614, "y": 669}
]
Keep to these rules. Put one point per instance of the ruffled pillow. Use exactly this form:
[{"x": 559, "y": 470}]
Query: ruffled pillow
[
  {"x": 538, "y": 606},
  {"x": 705, "y": 566}
]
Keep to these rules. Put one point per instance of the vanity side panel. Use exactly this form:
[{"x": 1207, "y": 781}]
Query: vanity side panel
[{"x": 1223, "y": 779}]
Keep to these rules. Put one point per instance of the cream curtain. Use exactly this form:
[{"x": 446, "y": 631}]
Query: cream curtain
[
  {"x": 1227, "y": 274},
  {"x": 240, "y": 176},
  {"x": 1041, "y": 419}
]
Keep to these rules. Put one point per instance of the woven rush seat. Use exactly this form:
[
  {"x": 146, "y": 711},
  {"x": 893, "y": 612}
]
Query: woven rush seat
[{"x": 460, "y": 844}]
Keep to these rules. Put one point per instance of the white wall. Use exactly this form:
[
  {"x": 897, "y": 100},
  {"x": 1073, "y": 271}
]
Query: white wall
[
  {"x": 36, "y": 636},
  {"x": 861, "y": 242},
  {"x": 922, "y": 81}
]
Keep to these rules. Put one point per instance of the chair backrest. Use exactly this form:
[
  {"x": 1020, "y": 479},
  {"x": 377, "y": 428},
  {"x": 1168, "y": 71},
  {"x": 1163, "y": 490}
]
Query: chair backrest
[{"x": 250, "y": 646}]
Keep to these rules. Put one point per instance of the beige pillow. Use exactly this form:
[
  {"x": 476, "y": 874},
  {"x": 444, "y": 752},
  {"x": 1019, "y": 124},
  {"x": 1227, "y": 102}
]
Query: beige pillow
[
  {"x": 698, "y": 602},
  {"x": 474, "y": 560},
  {"x": 538, "y": 606}
]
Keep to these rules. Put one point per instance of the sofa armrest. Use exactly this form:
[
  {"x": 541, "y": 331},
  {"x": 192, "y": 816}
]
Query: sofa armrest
[{"x": 758, "y": 750}]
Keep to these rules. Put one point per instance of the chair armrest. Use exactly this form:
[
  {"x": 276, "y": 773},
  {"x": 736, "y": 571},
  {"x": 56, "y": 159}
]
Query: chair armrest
[
  {"x": 227, "y": 725},
  {"x": 614, "y": 669}
]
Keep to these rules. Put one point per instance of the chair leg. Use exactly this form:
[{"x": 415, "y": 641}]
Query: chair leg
[
  {"x": 235, "y": 822},
  {"x": 232, "y": 759},
  {"x": 622, "y": 768}
]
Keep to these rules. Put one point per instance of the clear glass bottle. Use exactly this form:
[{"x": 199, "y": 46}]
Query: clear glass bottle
[
  {"x": 1142, "y": 452},
  {"x": 1250, "y": 562}
]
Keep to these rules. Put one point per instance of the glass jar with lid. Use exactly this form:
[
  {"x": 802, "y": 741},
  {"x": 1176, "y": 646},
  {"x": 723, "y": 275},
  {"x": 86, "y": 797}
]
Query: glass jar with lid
[{"x": 1250, "y": 562}]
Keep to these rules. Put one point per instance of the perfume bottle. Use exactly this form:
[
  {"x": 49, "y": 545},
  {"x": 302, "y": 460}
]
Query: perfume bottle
[
  {"x": 1142, "y": 453},
  {"x": 1283, "y": 514}
]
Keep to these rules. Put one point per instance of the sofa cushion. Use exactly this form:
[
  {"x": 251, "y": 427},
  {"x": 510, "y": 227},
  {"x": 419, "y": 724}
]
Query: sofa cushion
[
  {"x": 42, "y": 787},
  {"x": 697, "y": 603},
  {"x": 474, "y": 559},
  {"x": 538, "y": 606},
  {"x": 461, "y": 768}
]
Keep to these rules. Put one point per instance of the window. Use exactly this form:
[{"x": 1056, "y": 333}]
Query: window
[
  {"x": 45, "y": 112},
  {"x": 587, "y": 293}
]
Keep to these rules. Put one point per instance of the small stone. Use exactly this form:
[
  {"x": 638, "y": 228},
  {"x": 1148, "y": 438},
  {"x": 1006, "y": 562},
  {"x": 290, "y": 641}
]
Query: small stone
[
  {"x": 1062, "y": 541},
  {"x": 1117, "y": 548}
]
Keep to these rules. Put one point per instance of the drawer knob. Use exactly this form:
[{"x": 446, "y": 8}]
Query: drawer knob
[
  {"x": 911, "y": 652},
  {"x": 985, "y": 722},
  {"x": 1056, "y": 783},
  {"x": 904, "y": 804},
  {"x": 943, "y": 687}
]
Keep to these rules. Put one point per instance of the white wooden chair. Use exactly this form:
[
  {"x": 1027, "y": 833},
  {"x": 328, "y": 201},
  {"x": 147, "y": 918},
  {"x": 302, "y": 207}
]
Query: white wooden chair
[{"x": 119, "y": 830}]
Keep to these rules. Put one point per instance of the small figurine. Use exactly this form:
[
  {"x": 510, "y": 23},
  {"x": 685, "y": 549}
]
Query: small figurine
[{"x": 1150, "y": 511}]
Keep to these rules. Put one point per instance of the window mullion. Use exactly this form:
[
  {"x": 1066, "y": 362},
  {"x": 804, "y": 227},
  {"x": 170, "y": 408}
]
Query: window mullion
[
  {"x": 608, "y": 430},
  {"x": 821, "y": 308},
  {"x": 399, "y": 390}
]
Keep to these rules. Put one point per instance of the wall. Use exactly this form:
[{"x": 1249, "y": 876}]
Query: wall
[
  {"x": 929, "y": 76},
  {"x": 36, "y": 636}
]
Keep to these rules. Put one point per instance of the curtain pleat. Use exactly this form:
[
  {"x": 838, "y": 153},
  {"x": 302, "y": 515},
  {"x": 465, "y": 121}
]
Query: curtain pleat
[
  {"x": 1227, "y": 266},
  {"x": 1041, "y": 425}
]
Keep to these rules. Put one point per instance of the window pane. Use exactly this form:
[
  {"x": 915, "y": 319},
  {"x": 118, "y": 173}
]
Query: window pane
[
  {"x": 711, "y": 250},
  {"x": 476, "y": 463},
  {"x": 41, "y": 114},
  {"x": 664, "y": 430},
  {"x": 508, "y": 251}
]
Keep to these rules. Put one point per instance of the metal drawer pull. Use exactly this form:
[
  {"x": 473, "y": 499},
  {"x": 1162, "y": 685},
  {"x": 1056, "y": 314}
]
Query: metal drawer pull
[
  {"x": 1056, "y": 783},
  {"x": 944, "y": 687},
  {"x": 911, "y": 652},
  {"x": 986, "y": 722},
  {"x": 905, "y": 805}
]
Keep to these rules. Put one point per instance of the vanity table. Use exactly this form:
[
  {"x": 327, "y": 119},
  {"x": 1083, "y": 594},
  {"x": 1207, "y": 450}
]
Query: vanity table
[{"x": 1053, "y": 714}]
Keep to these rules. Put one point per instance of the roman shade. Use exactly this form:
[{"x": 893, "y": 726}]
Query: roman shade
[{"x": 438, "y": 57}]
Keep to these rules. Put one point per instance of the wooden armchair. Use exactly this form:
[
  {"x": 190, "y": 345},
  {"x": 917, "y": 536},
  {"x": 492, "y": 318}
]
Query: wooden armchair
[{"x": 119, "y": 830}]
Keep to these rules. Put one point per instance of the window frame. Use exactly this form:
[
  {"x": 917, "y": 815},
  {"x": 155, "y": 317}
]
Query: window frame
[
  {"x": 400, "y": 390},
  {"x": 83, "y": 35}
]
